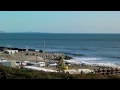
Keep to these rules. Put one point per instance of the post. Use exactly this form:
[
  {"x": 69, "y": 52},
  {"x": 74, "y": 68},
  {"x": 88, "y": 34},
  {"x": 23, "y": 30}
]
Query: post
[
  {"x": 26, "y": 48},
  {"x": 44, "y": 46},
  {"x": 36, "y": 56},
  {"x": 44, "y": 51}
]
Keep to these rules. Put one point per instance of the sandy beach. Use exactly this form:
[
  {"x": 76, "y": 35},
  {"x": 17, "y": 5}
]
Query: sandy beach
[
  {"x": 23, "y": 57},
  {"x": 20, "y": 57}
]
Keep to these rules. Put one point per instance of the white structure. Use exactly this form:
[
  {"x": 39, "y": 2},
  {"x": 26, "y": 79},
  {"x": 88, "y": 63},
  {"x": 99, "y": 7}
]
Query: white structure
[
  {"x": 26, "y": 48},
  {"x": 11, "y": 63},
  {"x": 11, "y": 51},
  {"x": 42, "y": 64},
  {"x": 18, "y": 63},
  {"x": 5, "y": 63}
]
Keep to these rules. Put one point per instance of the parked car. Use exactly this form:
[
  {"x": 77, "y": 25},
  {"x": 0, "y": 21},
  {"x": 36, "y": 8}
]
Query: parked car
[
  {"x": 18, "y": 63},
  {"x": 24, "y": 63},
  {"x": 67, "y": 63},
  {"x": 52, "y": 64},
  {"x": 42, "y": 64}
]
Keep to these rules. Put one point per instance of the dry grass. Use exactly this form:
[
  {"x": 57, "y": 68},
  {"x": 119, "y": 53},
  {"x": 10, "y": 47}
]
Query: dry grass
[{"x": 12, "y": 73}]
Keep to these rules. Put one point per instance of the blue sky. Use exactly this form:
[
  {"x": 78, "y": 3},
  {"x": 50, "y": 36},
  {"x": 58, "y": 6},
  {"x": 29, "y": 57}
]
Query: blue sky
[{"x": 60, "y": 21}]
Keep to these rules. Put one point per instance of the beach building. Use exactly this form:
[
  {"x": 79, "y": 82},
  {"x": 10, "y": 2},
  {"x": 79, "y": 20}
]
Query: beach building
[{"x": 10, "y": 51}]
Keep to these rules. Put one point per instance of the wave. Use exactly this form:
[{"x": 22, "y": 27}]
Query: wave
[
  {"x": 88, "y": 58},
  {"x": 85, "y": 49},
  {"x": 115, "y": 47},
  {"x": 74, "y": 54},
  {"x": 116, "y": 57},
  {"x": 110, "y": 56},
  {"x": 81, "y": 60},
  {"x": 93, "y": 62}
]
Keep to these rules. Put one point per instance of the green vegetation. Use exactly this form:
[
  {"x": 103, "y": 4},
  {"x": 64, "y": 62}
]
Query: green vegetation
[{"x": 13, "y": 73}]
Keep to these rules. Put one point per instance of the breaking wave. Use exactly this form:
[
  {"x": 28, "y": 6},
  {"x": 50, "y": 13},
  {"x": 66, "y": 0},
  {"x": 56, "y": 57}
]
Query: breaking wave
[{"x": 93, "y": 62}]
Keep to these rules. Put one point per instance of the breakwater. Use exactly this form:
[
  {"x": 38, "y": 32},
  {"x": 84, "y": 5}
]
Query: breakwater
[
  {"x": 49, "y": 55},
  {"x": 41, "y": 53}
]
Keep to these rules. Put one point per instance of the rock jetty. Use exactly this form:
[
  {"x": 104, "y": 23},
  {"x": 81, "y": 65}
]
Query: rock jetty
[
  {"x": 49, "y": 55},
  {"x": 41, "y": 53}
]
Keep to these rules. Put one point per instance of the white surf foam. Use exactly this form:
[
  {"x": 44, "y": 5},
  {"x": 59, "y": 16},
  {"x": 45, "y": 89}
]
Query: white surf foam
[{"x": 92, "y": 62}]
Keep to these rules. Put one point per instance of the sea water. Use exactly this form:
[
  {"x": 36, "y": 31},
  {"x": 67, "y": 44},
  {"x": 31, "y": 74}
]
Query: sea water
[{"x": 91, "y": 49}]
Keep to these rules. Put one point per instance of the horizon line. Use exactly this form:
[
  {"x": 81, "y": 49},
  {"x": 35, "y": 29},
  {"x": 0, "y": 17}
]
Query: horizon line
[{"x": 59, "y": 33}]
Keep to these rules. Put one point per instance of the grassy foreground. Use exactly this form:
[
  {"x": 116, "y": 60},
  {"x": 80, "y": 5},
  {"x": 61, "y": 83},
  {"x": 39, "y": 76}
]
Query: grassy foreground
[{"x": 12, "y": 73}]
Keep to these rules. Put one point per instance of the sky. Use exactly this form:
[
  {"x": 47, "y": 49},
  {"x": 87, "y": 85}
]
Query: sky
[{"x": 60, "y": 21}]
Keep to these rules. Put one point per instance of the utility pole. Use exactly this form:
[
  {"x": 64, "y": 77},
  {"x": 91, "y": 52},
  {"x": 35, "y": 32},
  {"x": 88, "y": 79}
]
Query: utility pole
[
  {"x": 44, "y": 50},
  {"x": 26, "y": 48},
  {"x": 36, "y": 56},
  {"x": 44, "y": 46}
]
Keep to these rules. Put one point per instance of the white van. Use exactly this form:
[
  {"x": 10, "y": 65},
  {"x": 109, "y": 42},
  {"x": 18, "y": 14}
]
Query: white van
[
  {"x": 42, "y": 64},
  {"x": 52, "y": 64}
]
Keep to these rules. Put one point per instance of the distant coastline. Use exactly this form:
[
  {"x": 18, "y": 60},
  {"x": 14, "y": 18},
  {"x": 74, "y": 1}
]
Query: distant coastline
[{"x": 55, "y": 33}]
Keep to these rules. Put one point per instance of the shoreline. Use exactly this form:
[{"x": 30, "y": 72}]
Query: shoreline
[
  {"x": 100, "y": 65},
  {"x": 73, "y": 68},
  {"x": 52, "y": 56},
  {"x": 24, "y": 56},
  {"x": 31, "y": 56}
]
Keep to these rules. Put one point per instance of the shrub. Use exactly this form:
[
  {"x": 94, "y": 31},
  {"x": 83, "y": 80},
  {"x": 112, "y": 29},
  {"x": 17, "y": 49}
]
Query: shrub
[{"x": 14, "y": 73}]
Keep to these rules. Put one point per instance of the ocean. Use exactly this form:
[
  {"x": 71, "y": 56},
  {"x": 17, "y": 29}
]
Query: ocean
[{"x": 94, "y": 49}]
